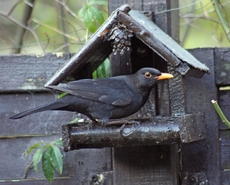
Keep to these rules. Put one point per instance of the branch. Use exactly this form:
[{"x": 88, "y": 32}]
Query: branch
[
  {"x": 63, "y": 25},
  {"x": 21, "y": 31},
  {"x": 223, "y": 21},
  {"x": 23, "y": 26},
  {"x": 220, "y": 113},
  {"x": 55, "y": 29}
]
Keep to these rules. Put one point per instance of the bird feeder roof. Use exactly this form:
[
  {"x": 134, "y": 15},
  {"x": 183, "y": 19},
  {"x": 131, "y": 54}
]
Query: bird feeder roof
[{"x": 97, "y": 49}]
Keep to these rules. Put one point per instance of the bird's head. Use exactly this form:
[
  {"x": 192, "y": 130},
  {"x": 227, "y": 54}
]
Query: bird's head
[{"x": 147, "y": 77}]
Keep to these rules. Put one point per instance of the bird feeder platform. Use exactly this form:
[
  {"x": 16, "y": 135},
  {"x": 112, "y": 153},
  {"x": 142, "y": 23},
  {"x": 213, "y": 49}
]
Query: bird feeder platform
[{"x": 154, "y": 131}]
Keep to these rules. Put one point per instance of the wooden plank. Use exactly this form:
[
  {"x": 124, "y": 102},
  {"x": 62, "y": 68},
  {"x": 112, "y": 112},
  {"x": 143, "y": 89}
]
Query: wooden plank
[
  {"x": 14, "y": 164},
  {"x": 58, "y": 181},
  {"x": 222, "y": 66},
  {"x": 44, "y": 123},
  {"x": 28, "y": 72},
  {"x": 225, "y": 177},
  {"x": 81, "y": 166},
  {"x": 225, "y": 150},
  {"x": 143, "y": 165},
  {"x": 203, "y": 156}
]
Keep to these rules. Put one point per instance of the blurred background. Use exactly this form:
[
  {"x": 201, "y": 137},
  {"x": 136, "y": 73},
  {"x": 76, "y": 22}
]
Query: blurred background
[{"x": 41, "y": 26}]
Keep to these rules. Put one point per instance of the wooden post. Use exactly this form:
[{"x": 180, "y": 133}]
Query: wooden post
[{"x": 152, "y": 164}]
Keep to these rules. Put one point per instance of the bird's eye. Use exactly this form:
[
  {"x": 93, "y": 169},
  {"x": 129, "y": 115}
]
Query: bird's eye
[{"x": 148, "y": 75}]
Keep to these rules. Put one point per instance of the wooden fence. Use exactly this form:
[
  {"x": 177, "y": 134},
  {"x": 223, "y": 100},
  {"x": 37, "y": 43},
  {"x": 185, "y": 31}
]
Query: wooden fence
[{"x": 22, "y": 79}]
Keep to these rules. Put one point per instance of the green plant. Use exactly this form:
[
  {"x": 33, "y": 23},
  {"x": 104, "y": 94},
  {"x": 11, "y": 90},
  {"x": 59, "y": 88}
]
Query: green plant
[
  {"x": 49, "y": 155},
  {"x": 91, "y": 15}
]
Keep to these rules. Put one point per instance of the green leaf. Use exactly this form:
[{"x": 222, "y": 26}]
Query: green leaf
[
  {"x": 62, "y": 95},
  {"x": 82, "y": 11},
  {"x": 58, "y": 142},
  {"x": 89, "y": 21},
  {"x": 47, "y": 165},
  {"x": 97, "y": 14},
  {"x": 56, "y": 158},
  {"x": 99, "y": 2},
  {"x": 75, "y": 120},
  {"x": 36, "y": 145},
  {"x": 37, "y": 157}
]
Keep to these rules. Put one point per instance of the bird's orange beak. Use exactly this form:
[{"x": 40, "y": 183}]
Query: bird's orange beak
[{"x": 164, "y": 76}]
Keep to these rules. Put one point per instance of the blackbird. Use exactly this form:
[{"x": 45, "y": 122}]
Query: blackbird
[{"x": 104, "y": 99}]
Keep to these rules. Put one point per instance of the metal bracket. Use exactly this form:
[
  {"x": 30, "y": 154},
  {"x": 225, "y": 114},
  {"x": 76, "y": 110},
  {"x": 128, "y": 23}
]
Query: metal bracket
[{"x": 194, "y": 179}]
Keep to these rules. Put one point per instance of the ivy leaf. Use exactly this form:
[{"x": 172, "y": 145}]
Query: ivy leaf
[
  {"x": 36, "y": 145},
  {"x": 99, "y": 2},
  {"x": 97, "y": 14},
  {"x": 47, "y": 165},
  {"x": 89, "y": 21},
  {"x": 56, "y": 158},
  {"x": 37, "y": 157},
  {"x": 82, "y": 11}
]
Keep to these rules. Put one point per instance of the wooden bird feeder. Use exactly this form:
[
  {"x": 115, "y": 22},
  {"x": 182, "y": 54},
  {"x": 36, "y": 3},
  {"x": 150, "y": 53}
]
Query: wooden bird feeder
[{"x": 131, "y": 35}]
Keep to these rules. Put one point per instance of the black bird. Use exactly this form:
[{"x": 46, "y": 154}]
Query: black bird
[{"x": 104, "y": 99}]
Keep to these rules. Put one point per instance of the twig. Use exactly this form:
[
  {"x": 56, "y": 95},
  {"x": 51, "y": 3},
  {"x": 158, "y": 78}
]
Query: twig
[
  {"x": 220, "y": 113},
  {"x": 27, "y": 12},
  {"x": 13, "y": 7},
  {"x": 25, "y": 27},
  {"x": 27, "y": 170},
  {"x": 63, "y": 25},
  {"x": 55, "y": 29},
  {"x": 187, "y": 28},
  {"x": 221, "y": 18}
]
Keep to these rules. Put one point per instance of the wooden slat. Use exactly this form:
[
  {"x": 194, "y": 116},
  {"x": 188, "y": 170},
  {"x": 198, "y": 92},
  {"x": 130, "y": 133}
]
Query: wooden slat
[
  {"x": 225, "y": 150},
  {"x": 225, "y": 177},
  {"x": 203, "y": 156},
  {"x": 28, "y": 72},
  {"x": 44, "y": 123},
  {"x": 222, "y": 66},
  {"x": 80, "y": 166},
  {"x": 143, "y": 165}
]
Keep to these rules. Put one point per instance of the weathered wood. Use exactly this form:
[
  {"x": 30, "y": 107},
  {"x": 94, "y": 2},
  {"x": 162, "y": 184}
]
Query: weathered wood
[
  {"x": 135, "y": 167},
  {"x": 161, "y": 43},
  {"x": 143, "y": 165},
  {"x": 42, "y": 181},
  {"x": 44, "y": 123},
  {"x": 203, "y": 156},
  {"x": 16, "y": 136},
  {"x": 225, "y": 156},
  {"x": 79, "y": 166},
  {"x": 222, "y": 66},
  {"x": 14, "y": 164},
  {"x": 28, "y": 72},
  {"x": 148, "y": 132},
  {"x": 177, "y": 93},
  {"x": 225, "y": 177}
]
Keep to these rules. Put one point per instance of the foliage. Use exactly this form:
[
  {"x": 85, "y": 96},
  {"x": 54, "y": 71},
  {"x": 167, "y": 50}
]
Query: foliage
[
  {"x": 199, "y": 24},
  {"x": 91, "y": 15},
  {"x": 49, "y": 155}
]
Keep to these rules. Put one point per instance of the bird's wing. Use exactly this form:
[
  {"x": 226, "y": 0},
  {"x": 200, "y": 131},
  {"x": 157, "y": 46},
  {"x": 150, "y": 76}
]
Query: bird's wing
[{"x": 113, "y": 91}]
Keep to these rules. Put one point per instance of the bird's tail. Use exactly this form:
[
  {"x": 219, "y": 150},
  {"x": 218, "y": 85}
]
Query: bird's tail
[{"x": 57, "y": 105}]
